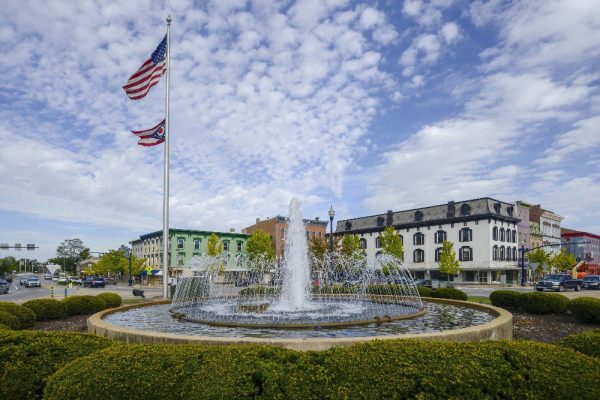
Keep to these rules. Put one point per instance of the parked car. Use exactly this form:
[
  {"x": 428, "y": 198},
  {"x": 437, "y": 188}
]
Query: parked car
[
  {"x": 87, "y": 281},
  {"x": 98, "y": 282},
  {"x": 75, "y": 279},
  {"x": 23, "y": 279},
  {"x": 33, "y": 281},
  {"x": 48, "y": 277},
  {"x": 63, "y": 280},
  {"x": 423, "y": 282},
  {"x": 591, "y": 282},
  {"x": 110, "y": 280},
  {"x": 4, "y": 286},
  {"x": 558, "y": 282}
]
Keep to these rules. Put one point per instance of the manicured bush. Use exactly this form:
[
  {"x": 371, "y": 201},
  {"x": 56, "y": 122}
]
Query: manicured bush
[
  {"x": 450, "y": 293},
  {"x": 587, "y": 342},
  {"x": 9, "y": 320},
  {"x": 112, "y": 300},
  {"x": 543, "y": 303},
  {"x": 373, "y": 370},
  {"x": 586, "y": 309},
  {"x": 2, "y": 326},
  {"x": 25, "y": 316},
  {"x": 83, "y": 305},
  {"x": 28, "y": 358},
  {"x": 506, "y": 299},
  {"x": 425, "y": 291},
  {"x": 46, "y": 309}
]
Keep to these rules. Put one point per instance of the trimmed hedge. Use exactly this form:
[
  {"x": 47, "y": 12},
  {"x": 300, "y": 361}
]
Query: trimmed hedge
[
  {"x": 83, "y": 305},
  {"x": 46, "y": 309},
  {"x": 586, "y": 309},
  {"x": 112, "y": 300},
  {"x": 450, "y": 293},
  {"x": 425, "y": 291},
  {"x": 543, "y": 303},
  {"x": 506, "y": 299},
  {"x": 587, "y": 342},
  {"x": 25, "y": 316},
  {"x": 9, "y": 321},
  {"x": 378, "y": 369},
  {"x": 28, "y": 358},
  {"x": 2, "y": 326}
]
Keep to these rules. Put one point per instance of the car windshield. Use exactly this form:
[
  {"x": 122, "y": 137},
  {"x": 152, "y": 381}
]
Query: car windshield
[{"x": 592, "y": 278}]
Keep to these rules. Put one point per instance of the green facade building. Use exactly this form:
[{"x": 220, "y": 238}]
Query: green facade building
[{"x": 184, "y": 244}]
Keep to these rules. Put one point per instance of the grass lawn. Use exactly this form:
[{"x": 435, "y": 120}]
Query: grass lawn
[{"x": 479, "y": 299}]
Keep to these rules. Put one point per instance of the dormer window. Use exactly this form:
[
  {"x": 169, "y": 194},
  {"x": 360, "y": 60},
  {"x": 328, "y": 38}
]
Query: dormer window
[
  {"x": 497, "y": 207},
  {"x": 465, "y": 209},
  {"x": 348, "y": 225},
  {"x": 510, "y": 210},
  {"x": 418, "y": 216},
  {"x": 380, "y": 221}
]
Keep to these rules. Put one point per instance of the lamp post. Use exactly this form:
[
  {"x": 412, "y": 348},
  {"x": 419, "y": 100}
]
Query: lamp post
[
  {"x": 128, "y": 254},
  {"x": 331, "y": 215}
]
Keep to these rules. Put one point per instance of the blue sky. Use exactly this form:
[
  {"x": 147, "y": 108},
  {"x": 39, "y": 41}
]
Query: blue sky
[{"x": 366, "y": 106}]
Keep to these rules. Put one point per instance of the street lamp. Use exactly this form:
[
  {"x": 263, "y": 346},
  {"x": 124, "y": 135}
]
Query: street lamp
[
  {"x": 128, "y": 254},
  {"x": 331, "y": 215}
]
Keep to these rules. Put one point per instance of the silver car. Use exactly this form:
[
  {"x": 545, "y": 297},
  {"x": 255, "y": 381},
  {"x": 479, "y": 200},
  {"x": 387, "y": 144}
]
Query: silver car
[
  {"x": 33, "y": 281},
  {"x": 4, "y": 286}
]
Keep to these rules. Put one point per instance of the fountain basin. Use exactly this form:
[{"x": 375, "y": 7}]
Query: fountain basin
[{"x": 498, "y": 328}]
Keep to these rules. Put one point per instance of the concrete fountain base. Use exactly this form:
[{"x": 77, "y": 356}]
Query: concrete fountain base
[{"x": 497, "y": 329}]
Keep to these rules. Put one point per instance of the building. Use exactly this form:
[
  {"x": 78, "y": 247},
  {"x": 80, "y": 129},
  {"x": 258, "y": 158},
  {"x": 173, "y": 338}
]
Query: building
[
  {"x": 484, "y": 233},
  {"x": 549, "y": 227},
  {"x": 277, "y": 227},
  {"x": 187, "y": 244},
  {"x": 524, "y": 225},
  {"x": 584, "y": 246}
]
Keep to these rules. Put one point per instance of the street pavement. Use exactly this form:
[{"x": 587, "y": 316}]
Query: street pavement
[{"x": 485, "y": 290}]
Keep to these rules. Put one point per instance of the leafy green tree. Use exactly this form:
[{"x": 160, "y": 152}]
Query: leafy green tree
[
  {"x": 8, "y": 265},
  {"x": 563, "y": 261},
  {"x": 449, "y": 265},
  {"x": 351, "y": 246},
  {"x": 260, "y": 245},
  {"x": 318, "y": 247},
  {"x": 215, "y": 245},
  {"x": 69, "y": 253},
  {"x": 540, "y": 257},
  {"x": 391, "y": 243}
]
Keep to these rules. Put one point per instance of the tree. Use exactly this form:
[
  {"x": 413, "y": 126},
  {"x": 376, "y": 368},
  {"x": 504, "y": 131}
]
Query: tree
[
  {"x": 8, "y": 265},
  {"x": 563, "y": 261},
  {"x": 69, "y": 253},
  {"x": 392, "y": 243},
  {"x": 449, "y": 265},
  {"x": 318, "y": 247},
  {"x": 540, "y": 257},
  {"x": 351, "y": 246},
  {"x": 215, "y": 246},
  {"x": 260, "y": 245}
]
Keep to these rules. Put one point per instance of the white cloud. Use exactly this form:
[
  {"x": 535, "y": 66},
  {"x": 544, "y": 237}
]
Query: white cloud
[{"x": 449, "y": 32}]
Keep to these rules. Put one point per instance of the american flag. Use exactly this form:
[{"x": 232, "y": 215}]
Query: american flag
[
  {"x": 148, "y": 74},
  {"x": 152, "y": 136}
]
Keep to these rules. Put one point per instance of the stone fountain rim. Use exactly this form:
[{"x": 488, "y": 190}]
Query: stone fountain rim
[{"x": 497, "y": 329}]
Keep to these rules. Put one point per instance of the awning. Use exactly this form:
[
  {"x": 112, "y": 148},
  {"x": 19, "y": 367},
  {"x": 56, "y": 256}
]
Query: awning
[{"x": 155, "y": 272}]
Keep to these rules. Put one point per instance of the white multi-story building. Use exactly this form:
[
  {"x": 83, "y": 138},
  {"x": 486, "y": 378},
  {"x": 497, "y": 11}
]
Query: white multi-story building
[{"x": 483, "y": 231}]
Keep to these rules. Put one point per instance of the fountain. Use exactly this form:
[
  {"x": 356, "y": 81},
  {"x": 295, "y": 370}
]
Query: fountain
[{"x": 303, "y": 303}]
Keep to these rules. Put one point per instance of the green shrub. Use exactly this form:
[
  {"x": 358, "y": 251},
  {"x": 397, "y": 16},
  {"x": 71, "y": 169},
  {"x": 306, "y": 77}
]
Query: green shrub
[
  {"x": 450, "y": 293},
  {"x": 506, "y": 299},
  {"x": 28, "y": 358},
  {"x": 4, "y": 327},
  {"x": 25, "y": 316},
  {"x": 9, "y": 320},
  {"x": 543, "y": 303},
  {"x": 250, "y": 291},
  {"x": 336, "y": 289},
  {"x": 83, "y": 305},
  {"x": 425, "y": 291},
  {"x": 374, "y": 370},
  {"x": 112, "y": 300},
  {"x": 587, "y": 342},
  {"x": 586, "y": 309},
  {"x": 46, "y": 309}
]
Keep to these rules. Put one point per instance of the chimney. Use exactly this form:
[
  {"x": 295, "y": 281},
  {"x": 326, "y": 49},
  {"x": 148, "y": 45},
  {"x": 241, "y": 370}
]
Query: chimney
[
  {"x": 257, "y": 220},
  {"x": 231, "y": 230},
  {"x": 316, "y": 219},
  {"x": 390, "y": 218}
]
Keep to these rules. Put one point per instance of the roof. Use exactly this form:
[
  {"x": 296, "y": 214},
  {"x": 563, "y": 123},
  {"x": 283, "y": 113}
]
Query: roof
[
  {"x": 175, "y": 231},
  {"x": 477, "y": 208},
  {"x": 565, "y": 232}
]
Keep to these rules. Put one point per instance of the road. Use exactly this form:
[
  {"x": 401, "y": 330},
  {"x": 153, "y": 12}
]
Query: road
[{"x": 484, "y": 291}]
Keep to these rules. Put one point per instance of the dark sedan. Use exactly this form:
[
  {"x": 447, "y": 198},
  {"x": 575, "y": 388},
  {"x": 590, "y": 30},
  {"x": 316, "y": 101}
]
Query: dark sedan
[
  {"x": 591, "y": 282},
  {"x": 98, "y": 282}
]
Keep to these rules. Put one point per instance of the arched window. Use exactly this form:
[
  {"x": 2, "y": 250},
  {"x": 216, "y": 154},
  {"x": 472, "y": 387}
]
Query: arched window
[
  {"x": 501, "y": 253},
  {"x": 465, "y": 209},
  {"x": 363, "y": 243},
  {"x": 497, "y": 207},
  {"x": 418, "y": 239},
  {"x": 225, "y": 245},
  {"x": 515, "y": 254},
  {"x": 419, "y": 256},
  {"x": 465, "y": 254},
  {"x": 401, "y": 238},
  {"x": 418, "y": 216},
  {"x": 440, "y": 236},
  {"x": 380, "y": 221},
  {"x": 495, "y": 253},
  {"x": 465, "y": 235},
  {"x": 508, "y": 253},
  {"x": 378, "y": 242},
  {"x": 495, "y": 233},
  {"x": 348, "y": 225},
  {"x": 438, "y": 253},
  {"x": 514, "y": 236},
  {"x": 502, "y": 234}
]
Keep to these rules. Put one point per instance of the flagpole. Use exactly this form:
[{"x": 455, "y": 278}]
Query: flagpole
[{"x": 166, "y": 238}]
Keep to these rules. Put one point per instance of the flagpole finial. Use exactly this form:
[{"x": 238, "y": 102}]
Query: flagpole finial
[{"x": 169, "y": 19}]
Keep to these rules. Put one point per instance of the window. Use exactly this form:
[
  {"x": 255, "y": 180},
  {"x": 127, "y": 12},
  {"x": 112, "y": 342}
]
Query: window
[
  {"x": 319, "y": 235},
  {"x": 502, "y": 234},
  {"x": 282, "y": 233},
  {"x": 348, "y": 225},
  {"x": 514, "y": 236},
  {"x": 314, "y": 234},
  {"x": 495, "y": 253},
  {"x": 418, "y": 256},
  {"x": 239, "y": 245},
  {"x": 465, "y": 209},
  {"x": 501, "y": 253},
  {"x": 225, "y": 245},
  {"x": 363, "y": 243},
  {"x": 418, "y": 216},
  {"x": 465, "y": 235},
  {"x": 180, "y": 243},
  {"x": 180, "y": 259},
  {"x": 510, "y": 210},
  {"x": 515, "y": 254},
  {"x": 465, "y": 254},
  {"x": 380, "y": 221},
  {"x": 197, "y": 244},
  {"x": 378, "y": 242},
  {"x": 418, "y": 239},
  {"x": 438, "y": 254},
  {"x": 401, "y": 238},
  {"x": 440, "y": 237},
  {"x": 307, "y": 235},
  {"x": 495, "y": 233},
  {"x": 497, "y": 207},
  {"x": 508, "y": 253}
]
